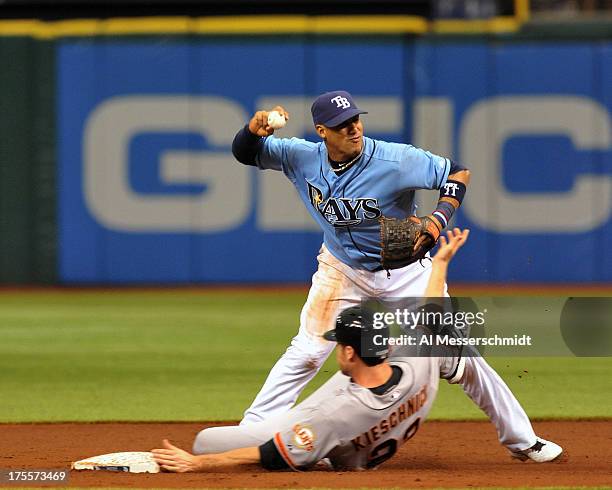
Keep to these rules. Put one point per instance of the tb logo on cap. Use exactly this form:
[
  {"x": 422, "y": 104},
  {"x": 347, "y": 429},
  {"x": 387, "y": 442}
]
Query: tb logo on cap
[{"x": 341, "y": 102}]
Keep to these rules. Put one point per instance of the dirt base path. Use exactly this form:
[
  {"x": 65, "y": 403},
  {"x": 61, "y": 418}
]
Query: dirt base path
[{"x": 442, "y": 454}]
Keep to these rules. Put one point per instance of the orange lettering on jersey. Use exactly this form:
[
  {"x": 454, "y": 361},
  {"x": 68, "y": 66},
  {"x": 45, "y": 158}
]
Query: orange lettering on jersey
[
  {"x": 402, "y": 412},
  {"x": 412, "y": 406},
  {"x": 423, "y": 397},
  {"x": 374, "y": 432},
  {"x": 357, "y": 444}
]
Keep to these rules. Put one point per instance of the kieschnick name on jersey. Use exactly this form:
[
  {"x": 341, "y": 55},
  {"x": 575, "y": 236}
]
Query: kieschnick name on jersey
[
  {"x": 343, "y": 211},
  {"x": 399, "y": 415}
]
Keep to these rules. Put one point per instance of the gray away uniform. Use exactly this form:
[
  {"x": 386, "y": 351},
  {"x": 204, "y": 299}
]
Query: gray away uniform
[{"x": 350, "y": 425}]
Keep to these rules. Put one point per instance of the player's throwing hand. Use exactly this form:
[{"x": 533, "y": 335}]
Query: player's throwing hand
[
  {"x": 259, "y": 122},
  {"x": 449, "y": 246}
]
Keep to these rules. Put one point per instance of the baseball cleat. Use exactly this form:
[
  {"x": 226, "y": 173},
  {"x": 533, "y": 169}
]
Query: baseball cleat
[{"x": 541, "y": 452}]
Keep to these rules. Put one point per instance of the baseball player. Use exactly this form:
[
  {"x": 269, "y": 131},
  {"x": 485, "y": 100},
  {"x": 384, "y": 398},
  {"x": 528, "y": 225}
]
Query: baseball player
[
  {"x": 350, "y": 185},
  {"x": 357, "y": 420}
]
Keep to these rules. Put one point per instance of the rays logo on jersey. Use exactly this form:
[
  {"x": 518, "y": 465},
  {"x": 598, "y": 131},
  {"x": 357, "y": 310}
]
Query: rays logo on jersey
[{"x": 343, "y": 211}]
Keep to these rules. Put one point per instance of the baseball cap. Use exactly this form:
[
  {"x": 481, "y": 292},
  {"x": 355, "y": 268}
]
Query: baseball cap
[
  {"x": 333, "y": 108},
  {"x": 355, "y": 327}
]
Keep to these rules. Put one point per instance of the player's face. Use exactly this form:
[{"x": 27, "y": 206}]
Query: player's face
[
  {"x": 344, "y": 141},
  {"x": 343, "y": 357}
]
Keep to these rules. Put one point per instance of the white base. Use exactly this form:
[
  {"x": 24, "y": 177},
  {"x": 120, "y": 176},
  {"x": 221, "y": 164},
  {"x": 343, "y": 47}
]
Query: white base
[{"x": 129, "y": 462}]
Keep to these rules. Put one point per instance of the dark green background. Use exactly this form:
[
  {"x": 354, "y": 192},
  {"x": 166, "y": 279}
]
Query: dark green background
[{"x": 28, "y": 228}]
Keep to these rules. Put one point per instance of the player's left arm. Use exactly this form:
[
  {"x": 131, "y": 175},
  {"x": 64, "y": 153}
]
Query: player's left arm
[
  {"x": 271, "y": 455},
  {"x": 308, "y": 430},
  {"x": 452, "y": 193}
]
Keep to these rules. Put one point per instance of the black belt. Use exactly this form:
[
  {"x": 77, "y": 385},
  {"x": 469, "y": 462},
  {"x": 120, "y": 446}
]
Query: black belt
[{"x": 381, "y": 268}]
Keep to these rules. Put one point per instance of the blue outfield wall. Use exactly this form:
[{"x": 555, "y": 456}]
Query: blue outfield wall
[{"x": 149, "y": 191}]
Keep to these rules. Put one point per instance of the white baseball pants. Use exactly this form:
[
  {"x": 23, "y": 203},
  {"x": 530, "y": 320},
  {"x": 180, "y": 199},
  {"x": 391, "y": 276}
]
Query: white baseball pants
[{"x": 335, "y": 287}]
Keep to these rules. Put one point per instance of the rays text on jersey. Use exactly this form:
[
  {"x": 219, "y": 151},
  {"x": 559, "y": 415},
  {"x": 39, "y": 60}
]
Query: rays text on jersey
[{"x": 343, "y": 211}]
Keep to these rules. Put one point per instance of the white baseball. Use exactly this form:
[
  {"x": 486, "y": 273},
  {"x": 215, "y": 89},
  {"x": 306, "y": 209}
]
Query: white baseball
[{"x": 276, "y": 120}]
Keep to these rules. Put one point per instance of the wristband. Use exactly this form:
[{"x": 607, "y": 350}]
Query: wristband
[
  {"x": 453, "y": 189},
  {"x": 451, "y": 192},
  {"x": 443, "y": 213}
]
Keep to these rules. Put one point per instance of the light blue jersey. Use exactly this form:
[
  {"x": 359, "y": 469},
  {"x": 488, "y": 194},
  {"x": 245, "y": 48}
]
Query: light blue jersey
[{"x": 347, "y": 206}]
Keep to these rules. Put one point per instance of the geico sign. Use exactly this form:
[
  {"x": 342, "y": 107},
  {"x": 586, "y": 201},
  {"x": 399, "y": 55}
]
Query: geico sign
[
  {"x": 227, "y": 201},
  {"x": 110, "y": 128},
  {"x": 485, "y": 128}
]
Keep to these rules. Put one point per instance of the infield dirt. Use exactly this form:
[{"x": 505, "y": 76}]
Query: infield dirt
[{"x": 442, "y": 454}]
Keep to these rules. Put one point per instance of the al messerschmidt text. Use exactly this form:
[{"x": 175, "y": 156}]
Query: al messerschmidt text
[{"x": 452, "y": 341}]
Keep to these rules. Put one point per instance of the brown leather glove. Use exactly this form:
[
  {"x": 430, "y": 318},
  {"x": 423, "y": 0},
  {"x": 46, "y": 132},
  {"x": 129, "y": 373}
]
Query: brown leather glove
[{"x": 404, "y": 241}]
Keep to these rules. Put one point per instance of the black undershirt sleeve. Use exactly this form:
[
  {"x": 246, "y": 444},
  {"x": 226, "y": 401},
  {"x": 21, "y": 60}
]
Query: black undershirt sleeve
[
  {"x": 270, "y": 458},
  {"x": 455, "y": 167},
  {"x": 246, "y": 145}
]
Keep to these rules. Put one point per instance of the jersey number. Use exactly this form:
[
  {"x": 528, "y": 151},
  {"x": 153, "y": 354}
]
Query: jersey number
[{"x": 387, "y": 449}]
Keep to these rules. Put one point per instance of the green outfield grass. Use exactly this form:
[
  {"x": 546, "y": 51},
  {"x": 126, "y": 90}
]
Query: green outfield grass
[{"x": 202, "y": 355}]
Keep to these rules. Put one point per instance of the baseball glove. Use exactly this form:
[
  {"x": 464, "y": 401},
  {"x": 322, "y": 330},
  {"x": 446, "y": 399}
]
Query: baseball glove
[{"x": 399, "y": 240}]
